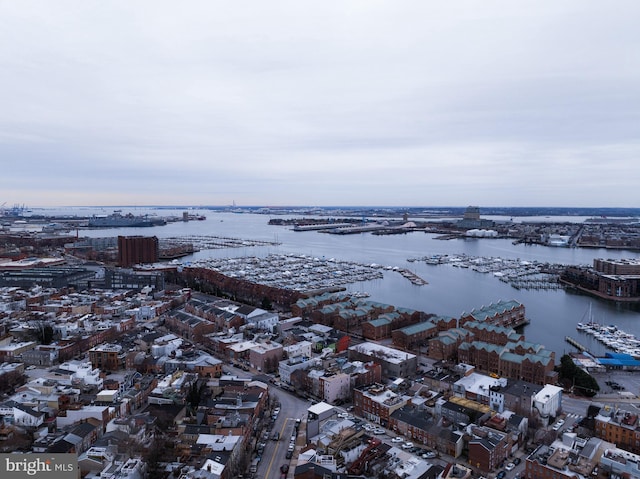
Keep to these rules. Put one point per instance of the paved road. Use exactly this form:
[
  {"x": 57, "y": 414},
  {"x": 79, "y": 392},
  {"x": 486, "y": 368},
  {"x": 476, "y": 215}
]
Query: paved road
[{"x": 291, "y": 409}]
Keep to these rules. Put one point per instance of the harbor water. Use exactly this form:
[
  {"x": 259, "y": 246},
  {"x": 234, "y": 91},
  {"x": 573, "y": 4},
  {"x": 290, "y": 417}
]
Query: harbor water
[{"x": 451, "y": 291}]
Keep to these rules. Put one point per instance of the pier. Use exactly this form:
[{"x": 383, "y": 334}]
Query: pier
[
  {"x": 519, "y": 274},
  {"x": 576, "y": 344},
  {"x": 412, "y": 277}
]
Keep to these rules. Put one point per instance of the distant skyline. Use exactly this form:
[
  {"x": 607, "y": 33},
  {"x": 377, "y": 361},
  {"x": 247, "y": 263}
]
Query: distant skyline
[{"x": 320, "y": 103}]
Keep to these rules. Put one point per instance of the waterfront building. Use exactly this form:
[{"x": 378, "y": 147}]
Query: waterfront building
[
  {"x": 490, "y": 333},
  {"x": 379, "y": 328},
  {"x": 445, "y": 345},
  {"x": 508, "y": 314},
  {"x": 617, "y": 266},
  {"x": 307, "y": 305},
  {"x": 617, "y": 280},
  {"x": 519, "y": 360},
  {"x": 471, "y": 219},
  {"x": 411, "y": 337}
]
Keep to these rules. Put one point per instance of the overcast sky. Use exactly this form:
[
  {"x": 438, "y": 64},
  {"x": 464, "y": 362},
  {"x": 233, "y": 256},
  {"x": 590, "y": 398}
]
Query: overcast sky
[{"x": 414, "y": 103}]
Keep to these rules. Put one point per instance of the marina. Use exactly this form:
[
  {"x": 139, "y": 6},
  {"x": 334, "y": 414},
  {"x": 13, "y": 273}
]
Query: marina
[
  {"x": 519, "y": 274},
  {"x": 450, "y": 290},
  {"x": 612, "y": 338},
  {"x": 294, "y": 272},
  {"x": 209, "y": 242}
]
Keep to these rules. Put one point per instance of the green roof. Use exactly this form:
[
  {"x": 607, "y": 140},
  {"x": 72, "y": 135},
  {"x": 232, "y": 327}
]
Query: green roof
[
  {"x": 379, "y": 322},
  {"x": 492, "y": 310},
  {"x": 418, "y": 328}
]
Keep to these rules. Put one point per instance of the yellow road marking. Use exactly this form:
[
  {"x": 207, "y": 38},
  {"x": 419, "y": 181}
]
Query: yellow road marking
[{"x": 277, "y": 447}]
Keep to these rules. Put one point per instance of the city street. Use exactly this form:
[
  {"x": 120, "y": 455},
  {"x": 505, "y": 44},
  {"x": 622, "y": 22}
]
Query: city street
[{"x": 275, "y": 452}]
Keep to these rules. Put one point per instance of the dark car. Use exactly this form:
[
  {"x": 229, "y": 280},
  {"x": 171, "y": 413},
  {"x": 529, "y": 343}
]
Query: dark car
[
  {"x": 517, "y": 461},
  {"x": 501, "y": 474},
  {"x": 284, "y": 468},
  {"x": 289, "y": 454}
]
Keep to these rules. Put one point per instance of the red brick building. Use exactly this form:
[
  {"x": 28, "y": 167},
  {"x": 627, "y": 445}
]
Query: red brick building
[
  {"x": 503, "y": 313},
  {"x": 137, "y": 249}
]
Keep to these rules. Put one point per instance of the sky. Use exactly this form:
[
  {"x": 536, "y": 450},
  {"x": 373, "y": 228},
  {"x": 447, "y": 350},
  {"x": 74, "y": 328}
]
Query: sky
[{"x": 274, "y": 103}]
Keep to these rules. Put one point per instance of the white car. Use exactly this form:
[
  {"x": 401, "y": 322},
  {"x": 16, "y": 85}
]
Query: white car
[
  {"x": 379, "y": 430},
  {"x": 397, "y": 439},
  {"x": 407, "y": 445},
  {"x": 510, "y": 466},
  {"x": 428, "y": 455}
]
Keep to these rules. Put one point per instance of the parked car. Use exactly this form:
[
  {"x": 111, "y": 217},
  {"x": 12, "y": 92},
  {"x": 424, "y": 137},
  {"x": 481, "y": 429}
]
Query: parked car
[
  {"x": 397, "y": 439},
  {"x": 428, "y": 455},
  {"x": 517, "y": 461},
  {"x": 510, "y": 466},
  {"x": 284, "y": 468},
  {"x": 407, "y": 445},
  {"x": 501, "y": 474},
  {"x": 379, "y": 430}
]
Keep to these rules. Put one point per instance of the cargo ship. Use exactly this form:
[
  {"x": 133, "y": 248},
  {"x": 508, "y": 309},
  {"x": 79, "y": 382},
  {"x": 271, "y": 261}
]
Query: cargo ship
[{"x": 118, "y": 220}]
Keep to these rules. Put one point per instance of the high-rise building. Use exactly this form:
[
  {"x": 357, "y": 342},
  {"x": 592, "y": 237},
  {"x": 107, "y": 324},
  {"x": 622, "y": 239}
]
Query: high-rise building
[{"x": 137, "y": 249}]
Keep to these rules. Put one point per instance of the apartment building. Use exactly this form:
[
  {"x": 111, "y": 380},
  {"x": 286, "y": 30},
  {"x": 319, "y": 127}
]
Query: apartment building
[
  {"x": 377, "y": 403},
  {"x": 394, "y": 363}
]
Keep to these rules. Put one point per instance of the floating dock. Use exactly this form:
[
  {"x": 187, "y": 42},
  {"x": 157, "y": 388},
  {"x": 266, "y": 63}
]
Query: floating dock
[{"x": 576, "y": 344}]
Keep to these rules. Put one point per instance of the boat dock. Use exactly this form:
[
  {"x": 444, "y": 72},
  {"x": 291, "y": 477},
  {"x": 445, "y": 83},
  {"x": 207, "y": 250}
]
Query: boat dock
[
  {"x": 519, "y": 274},
  {"x": 576, "y": 344},
  {"x": 320, "y": 226},
  {"x": 412, "y": 277},
  {"x": 612, "y": 337},
  {"x": 204, "y": 242}
]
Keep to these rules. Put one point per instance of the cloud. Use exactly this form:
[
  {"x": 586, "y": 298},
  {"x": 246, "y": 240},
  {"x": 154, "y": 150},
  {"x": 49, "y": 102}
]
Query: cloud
[{"x": 285, "y": 102}]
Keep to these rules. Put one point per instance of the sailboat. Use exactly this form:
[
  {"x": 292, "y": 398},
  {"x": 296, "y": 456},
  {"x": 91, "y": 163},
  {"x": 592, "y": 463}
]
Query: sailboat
[{"x": 589, "y": 325}]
